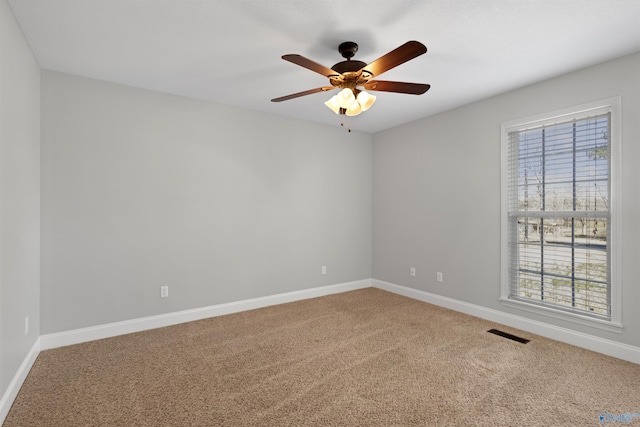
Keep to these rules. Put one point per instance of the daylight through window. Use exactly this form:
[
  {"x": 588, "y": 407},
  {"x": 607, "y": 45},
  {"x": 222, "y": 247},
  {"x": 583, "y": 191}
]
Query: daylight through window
[{"x": 558, "y": 216}]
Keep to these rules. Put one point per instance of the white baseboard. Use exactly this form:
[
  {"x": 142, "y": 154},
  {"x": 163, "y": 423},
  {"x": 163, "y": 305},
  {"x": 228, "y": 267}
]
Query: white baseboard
[
  {"x": 77, "y": 336},
  {"x": 579, "y": 339},
  {"x": 18, "y": 379}
]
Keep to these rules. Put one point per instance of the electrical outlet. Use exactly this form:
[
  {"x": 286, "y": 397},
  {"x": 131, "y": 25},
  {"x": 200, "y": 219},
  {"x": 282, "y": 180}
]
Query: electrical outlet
[
  {"x": 164, "y": 291},
  {"x": 439, "y": 276},
  {"x": 412, "y": 271},
  {"x": 26, "y": 325},
  {"x": 324, "y": 269}
]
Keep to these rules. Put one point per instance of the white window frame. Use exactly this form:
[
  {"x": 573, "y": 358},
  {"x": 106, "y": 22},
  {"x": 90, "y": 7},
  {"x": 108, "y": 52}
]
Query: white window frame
[{"x": 612, "y": 105}]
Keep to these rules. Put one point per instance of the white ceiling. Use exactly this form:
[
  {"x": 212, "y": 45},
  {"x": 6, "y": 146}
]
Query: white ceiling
[{"x": 228, "y": 51}]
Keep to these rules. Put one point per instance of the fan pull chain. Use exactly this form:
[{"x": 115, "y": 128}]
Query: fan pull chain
[{"x": 348, "y": 124}]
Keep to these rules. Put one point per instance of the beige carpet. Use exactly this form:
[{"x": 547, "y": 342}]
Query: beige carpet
[{"x": 361, "y": 358}]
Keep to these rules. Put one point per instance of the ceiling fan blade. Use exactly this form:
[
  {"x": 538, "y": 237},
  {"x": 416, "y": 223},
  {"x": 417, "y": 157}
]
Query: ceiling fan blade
[
  {"x": 398, "y": 56},
  {"x": 306, "y": 92},
  {"x": 310, "y": 65},
  {"x": 399, "y": 87}
]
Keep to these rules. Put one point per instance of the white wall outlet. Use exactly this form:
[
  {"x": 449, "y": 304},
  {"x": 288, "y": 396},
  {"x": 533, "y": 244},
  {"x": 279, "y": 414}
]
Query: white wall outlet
[
  {"x": 439, "y": 276},
  {"x": 412, "y": 271},
  {"x": 26, "y": 325},
  {"x": 324, "y": 269},
  {"x": 164, "y": 291}
]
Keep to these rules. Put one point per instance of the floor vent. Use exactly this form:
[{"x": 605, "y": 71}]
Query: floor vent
[{"x": 509, "y": 336}]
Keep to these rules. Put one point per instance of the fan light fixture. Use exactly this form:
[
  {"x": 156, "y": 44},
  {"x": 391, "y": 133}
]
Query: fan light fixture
[{"x": 350, "y": 102}]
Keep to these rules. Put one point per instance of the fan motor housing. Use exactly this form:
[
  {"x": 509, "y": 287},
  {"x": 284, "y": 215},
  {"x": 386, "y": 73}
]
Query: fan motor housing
[
  {"x": 348, "y": 50},
  {"x": 348, "y": 66}
]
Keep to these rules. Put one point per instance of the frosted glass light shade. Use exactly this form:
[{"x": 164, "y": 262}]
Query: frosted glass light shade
[
  {"x": 346, "y": 98},
  {"x": 333, "y": 104},
  {"x": 366, "y": 100},
  {"x": 354, "y": 109}
]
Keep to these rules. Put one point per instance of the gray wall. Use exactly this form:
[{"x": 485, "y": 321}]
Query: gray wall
[
  {"x": 142, "y": 189},
  {"x": 436, "y": 191},
  {"x": 19, "y": 197}
]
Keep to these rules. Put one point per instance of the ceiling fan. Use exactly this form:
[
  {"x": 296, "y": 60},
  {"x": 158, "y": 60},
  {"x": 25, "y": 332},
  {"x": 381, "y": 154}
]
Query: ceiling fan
[{"x": 353, "y": 76}]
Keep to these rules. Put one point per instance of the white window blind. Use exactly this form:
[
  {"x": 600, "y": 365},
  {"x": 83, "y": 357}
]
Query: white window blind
[{"x": 558, "y": 216}]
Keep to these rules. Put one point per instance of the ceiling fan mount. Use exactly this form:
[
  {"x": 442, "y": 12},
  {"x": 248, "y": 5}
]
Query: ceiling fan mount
[
  {"x": 353, "y": 74},
  {"x": 348, "y": 49}
]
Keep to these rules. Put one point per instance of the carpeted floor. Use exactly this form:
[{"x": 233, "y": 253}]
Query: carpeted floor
[{"x": 361, "y": 358}]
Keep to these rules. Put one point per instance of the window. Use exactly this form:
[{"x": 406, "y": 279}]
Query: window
[{"x": 557, "y": 220}]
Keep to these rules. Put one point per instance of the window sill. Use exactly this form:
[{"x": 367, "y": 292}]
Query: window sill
[{"x": 610, "y": 326}]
